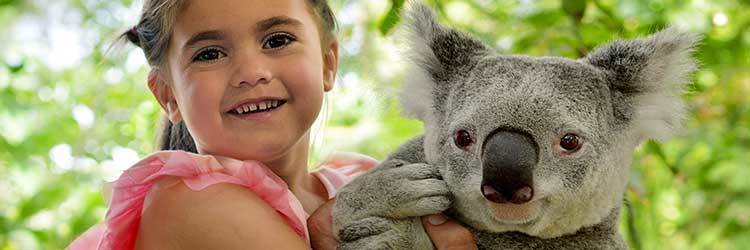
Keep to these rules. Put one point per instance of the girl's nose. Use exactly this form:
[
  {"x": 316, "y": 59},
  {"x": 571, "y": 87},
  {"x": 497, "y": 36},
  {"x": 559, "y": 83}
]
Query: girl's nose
[{"x": 251, "y": 71}]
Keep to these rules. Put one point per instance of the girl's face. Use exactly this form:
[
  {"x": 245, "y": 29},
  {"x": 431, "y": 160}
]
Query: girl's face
[{"x": 247, "y": 76}]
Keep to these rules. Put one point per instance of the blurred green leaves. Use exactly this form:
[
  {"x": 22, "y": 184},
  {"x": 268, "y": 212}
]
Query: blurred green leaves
[
  {"x": 574, "y": 8},
  {"x": 392, "y": 17},
  {"x": 64, "y": 130}
]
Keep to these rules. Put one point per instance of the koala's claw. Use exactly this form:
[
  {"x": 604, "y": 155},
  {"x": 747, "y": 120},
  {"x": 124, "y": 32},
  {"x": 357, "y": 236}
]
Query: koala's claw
[
  {"x": 424, "y": 197},
  {"x": 414, "y": 171},
  {"x": 385, "y": 241},
  {"x": 424, "y": 188},
  {"x": 388, "y": 164},
  {"x": 364, "y": 228},
  {"x": 369, "y": 233},
  {"x": 428, "y": 205},
  {"x": 419, "y": 171},
  {"x": 383, "y": 233}
]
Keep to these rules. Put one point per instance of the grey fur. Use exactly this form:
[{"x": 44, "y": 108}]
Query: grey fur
[{"x": 619, "y": 95}]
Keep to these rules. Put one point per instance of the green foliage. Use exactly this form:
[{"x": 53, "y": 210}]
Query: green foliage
[
  {"x": 574, "y": 8},
  {"x": 392, "y": 17},
  {"x": 73, "y": 115}
]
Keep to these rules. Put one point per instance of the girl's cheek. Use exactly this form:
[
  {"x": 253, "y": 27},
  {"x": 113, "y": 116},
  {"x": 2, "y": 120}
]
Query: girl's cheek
[
  {"x": 310, "y": 71},
  {"x": 204, "y": 93}
]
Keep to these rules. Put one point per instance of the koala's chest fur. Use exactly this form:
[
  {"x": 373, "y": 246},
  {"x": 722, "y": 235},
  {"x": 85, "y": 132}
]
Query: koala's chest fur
[
  {"x": 579, "y": 241},
  {"x": 601, "y": 236}
]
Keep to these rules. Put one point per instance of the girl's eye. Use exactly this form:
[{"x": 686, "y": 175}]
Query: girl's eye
[
  {"x": 209, "y": 55},
  {"x": 278, "y": 40}
]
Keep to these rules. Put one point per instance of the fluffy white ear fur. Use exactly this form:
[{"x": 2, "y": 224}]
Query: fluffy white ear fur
[
  {"x": 658, "y": 79},
  {"x": 418, "y": 33},
  {"x": 660, "y": 111}
]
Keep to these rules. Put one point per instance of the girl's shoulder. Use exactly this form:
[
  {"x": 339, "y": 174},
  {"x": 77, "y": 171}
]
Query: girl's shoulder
[
  {"x": 162, "y": 170},
  {"x": 220, "y": 216}
]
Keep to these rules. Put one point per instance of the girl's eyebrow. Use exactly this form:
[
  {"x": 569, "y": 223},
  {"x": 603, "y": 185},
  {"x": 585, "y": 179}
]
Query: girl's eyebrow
[
  {"x": 204, "y": 35},
  {"x": 276, "y": 21}
]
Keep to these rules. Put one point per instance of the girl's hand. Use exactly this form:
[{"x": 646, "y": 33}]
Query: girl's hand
[
  {"x": 445, "y": 233},
  {"x": 320, "y": 226}
]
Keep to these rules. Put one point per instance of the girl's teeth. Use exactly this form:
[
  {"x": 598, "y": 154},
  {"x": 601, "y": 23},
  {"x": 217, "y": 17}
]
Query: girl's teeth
[{"x": 260, "y": 106}]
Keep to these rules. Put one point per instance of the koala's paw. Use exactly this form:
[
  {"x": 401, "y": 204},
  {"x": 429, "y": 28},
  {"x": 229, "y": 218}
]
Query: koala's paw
[
  {"x": 381, "y": 233},
  {"x": 394, "y": 190}
]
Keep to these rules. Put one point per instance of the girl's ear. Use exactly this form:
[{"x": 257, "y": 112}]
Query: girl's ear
[
  {"x": 163, "y": 93},
  {"x": 331, "y": 63}
]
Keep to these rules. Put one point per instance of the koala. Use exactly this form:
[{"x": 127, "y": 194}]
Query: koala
[{"x": 528, "y": 152}]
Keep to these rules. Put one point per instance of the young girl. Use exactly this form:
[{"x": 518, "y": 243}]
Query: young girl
[{"x": 241, "y": 82}]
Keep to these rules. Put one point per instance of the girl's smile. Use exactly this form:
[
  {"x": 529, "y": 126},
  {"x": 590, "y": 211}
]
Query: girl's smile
[{"x": 257, "y": 109}]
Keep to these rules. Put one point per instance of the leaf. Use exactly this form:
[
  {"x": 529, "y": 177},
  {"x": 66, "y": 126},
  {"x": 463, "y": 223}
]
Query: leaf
[
  {"x": 10, "y": 3},
  {"x": 16, "y": 67},
  {"x": 392, "y": 17},
  {"x": 655, "y": 148},
  {"x": 49, "y": 196},
  {"x": 575, "y": 8}
]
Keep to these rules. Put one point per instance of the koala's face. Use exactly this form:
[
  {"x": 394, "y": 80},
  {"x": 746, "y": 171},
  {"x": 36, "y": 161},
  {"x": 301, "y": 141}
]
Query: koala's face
[
  {"x": 530, "y": 143},
  {"x": 540, "y": 145}
]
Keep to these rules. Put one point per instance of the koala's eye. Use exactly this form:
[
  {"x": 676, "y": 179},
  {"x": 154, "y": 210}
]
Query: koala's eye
[
  {"x": 570, "y": 143},
  {"x": 463, "y": 139}
]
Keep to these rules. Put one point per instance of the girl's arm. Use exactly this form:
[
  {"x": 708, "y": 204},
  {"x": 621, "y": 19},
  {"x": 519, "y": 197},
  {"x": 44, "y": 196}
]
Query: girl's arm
[{"x": 222, "y": 216}]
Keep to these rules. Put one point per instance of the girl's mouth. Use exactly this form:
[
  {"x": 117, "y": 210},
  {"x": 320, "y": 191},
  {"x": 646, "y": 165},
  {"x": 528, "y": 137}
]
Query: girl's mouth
[{"x": 257, "y": 107}]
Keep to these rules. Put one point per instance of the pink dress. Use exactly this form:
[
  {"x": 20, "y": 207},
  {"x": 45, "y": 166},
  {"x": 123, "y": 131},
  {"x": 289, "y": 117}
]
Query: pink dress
[{"x": 120, "y": 227}]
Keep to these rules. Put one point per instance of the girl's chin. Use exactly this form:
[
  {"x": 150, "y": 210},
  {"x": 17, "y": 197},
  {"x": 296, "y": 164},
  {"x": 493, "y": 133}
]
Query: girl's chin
[{"x": 244, "y": 151}]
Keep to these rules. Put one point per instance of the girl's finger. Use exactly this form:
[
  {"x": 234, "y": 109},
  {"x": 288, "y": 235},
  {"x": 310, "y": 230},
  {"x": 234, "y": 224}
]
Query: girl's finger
[{"x": 447, "y": 234}]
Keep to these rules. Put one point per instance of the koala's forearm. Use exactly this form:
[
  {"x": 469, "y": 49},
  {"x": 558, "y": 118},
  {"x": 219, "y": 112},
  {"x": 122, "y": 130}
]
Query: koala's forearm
[
  {"x": 381, "y": 208},
  {"x": 412, "y": 151}
]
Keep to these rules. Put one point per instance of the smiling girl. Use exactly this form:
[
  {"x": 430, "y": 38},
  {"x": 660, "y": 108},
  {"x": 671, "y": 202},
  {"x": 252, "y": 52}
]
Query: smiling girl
[{"x": 241, "y": 83}]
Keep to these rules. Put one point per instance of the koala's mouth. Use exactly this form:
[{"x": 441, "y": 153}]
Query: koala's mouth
[{"x": 511, "y": 213}]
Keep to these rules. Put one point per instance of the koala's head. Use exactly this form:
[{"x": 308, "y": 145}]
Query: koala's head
[{"x": 540, "y": 145}]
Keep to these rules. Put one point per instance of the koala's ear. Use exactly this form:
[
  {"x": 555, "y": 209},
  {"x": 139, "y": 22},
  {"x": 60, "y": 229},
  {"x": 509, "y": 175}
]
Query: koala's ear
[
  {"x": 436, "y": 53},
  {"x": 647, "y": 77}
]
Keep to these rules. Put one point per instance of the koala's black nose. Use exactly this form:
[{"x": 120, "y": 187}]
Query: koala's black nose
[{"x": 508, "y": 161}]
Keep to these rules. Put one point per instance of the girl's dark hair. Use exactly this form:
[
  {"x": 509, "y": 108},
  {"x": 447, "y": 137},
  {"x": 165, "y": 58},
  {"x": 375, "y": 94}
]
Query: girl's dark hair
[
  {"x": 152, "y": 34},
  {"x": 176, "y": 137}
]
